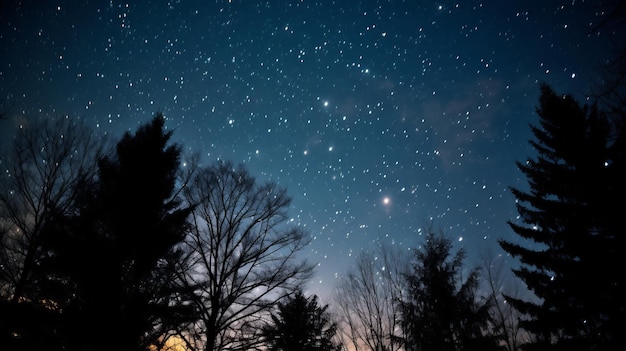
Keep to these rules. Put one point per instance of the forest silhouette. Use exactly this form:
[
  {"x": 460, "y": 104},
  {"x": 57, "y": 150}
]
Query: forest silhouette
[
  {"x": 128, "y": 245},
  {"x": 124, "y": 248}
]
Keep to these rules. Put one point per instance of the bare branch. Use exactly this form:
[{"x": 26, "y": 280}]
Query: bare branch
[
  {"x": 243, "y": 255},
  {"x": 504, "y": 317},
  {"x": 367, "y": 296},
  {"x": 40, "y": 173}
]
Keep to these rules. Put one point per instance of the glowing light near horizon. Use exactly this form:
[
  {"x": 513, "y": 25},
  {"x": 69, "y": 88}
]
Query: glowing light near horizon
[{"x": 386, "y": 201}]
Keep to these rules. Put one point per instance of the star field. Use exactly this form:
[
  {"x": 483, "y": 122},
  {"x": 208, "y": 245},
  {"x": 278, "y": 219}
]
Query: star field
[{"x": 377, "y": 116}]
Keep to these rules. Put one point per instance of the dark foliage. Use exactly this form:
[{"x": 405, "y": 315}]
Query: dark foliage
[
  {"x": 301, "y": 324},
  {"x": 443, "y": 312},
  {"x": 572, "y": 210},
  {"x": 108, "y": 260},
  {"x": 45, "y": 163},
  {"x": 29, "y": 326},
  {"x": 93, "y": 253}
]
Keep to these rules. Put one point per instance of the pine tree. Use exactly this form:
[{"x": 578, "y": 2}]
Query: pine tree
[
  {"x": 567, "y": 214},
  {"x": 443, "y": 312},
  {"x": 110, "y": 260},
  {"x": 301, "y": 324}
]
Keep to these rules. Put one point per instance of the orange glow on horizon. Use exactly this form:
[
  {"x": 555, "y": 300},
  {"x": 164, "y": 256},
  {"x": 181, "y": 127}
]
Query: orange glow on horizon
[{"x": 173, "y": 343}]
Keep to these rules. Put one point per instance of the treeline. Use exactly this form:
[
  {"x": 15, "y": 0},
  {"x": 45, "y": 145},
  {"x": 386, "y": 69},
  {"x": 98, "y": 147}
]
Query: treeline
[
  {"x": 131, "y": 245},
  {"x": 105, "y": 249},
  {"x": 570, "y": 245},
  {"x": 134, "y": 247}
]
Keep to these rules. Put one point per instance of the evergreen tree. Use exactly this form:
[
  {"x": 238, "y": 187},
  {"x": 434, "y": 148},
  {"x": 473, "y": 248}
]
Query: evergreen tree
[
  {"x": 301, "y": 324},
  {"x": 443, "y": 312},
  {"x": 568, "y": 212},
  {"x": 110, "y": 261}
]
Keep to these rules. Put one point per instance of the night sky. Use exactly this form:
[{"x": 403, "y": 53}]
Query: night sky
[{"x": 379, "y": 117}]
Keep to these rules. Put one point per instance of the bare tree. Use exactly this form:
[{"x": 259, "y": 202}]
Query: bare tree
[
  {"x": 367, "y": 297},
  {"x": 242, "y": 256},
  {"x": 504, "y": 317},
  {"x": 39, "y": 172}
]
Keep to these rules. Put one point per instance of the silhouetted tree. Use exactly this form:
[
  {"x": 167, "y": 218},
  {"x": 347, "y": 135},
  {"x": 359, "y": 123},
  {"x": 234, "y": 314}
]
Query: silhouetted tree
[
  {"x": 367, "y": 299},
  {"x": 613, "y": 103},
  {"x": 571, "y": 213},
  {"x": 113, "y": 258},
  {"x": 443, "y": 312},
  {"x": 504, "y": 318},
  {"x": 301, "y": 324},
  {"x": 242, "y": 255},
  {"x": 41, "y": 170}
]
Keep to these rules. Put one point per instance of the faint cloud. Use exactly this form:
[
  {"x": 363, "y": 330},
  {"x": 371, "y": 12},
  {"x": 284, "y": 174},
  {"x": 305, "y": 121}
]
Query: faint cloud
[{"x": 463, "y": 118}]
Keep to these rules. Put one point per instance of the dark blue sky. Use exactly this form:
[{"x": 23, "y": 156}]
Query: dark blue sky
[{"x": 345, "y": 103}]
